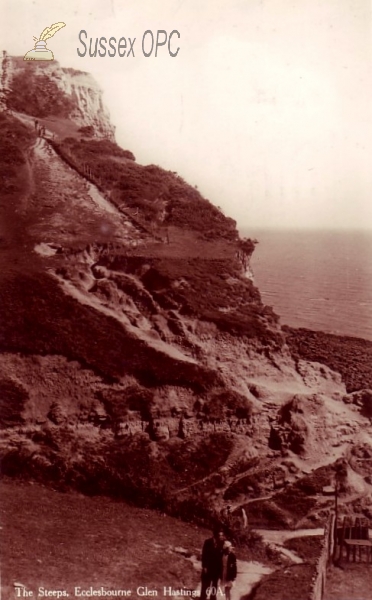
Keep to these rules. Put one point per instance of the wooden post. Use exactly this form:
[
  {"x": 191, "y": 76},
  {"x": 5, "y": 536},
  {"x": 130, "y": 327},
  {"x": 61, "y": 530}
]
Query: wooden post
[{"x": 336, "y": 540}]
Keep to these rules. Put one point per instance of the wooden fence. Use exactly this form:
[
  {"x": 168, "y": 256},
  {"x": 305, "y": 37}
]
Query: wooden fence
[{"x": 324, "y": 560}]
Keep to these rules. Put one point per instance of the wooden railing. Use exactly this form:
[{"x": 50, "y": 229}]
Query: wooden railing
[{"x": 324, "y": 560}]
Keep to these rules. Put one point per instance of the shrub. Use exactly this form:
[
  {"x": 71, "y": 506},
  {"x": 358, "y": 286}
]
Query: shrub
[
  {"x": 315, "y": 482},
  {"x": 133, "y": 397},
  {"x": 308, "y": 547},
  {"x": 227, "y": 403},
  {"x": 15, "y": 139},
  {"x": 87, "y": 130},
  {"x": 295, "y": 502},
  {"x": 12, "y": 401},
  {"x": 197, "y": 458}
]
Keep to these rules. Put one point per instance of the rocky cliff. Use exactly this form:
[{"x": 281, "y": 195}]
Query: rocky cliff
[
  {"x": 45, "y": 89},
  {"x": 137, "y": 358}
]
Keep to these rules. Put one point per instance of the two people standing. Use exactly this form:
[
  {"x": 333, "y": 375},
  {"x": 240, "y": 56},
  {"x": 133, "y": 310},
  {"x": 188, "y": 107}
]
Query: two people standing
[{"x": 218, "y": 566}]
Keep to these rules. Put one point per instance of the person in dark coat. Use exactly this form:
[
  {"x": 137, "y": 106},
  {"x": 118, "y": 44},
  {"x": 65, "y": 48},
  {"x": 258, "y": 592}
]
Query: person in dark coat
[
  {"x": 229, "y": 570},
  {"x": 212, "y": 564}
]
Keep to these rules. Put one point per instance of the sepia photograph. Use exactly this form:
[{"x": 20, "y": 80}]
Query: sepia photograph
[{"x": 186, "y": 299}]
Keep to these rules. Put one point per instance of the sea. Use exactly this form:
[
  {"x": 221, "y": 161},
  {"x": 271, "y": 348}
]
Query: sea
[{"x": 320, "y": 280}]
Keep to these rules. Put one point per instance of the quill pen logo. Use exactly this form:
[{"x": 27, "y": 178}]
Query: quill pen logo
[{"x": 41, "y": 52}]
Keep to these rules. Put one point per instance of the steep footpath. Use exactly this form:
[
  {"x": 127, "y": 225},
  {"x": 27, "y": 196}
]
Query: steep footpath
[{"x": 137, "y": 359}]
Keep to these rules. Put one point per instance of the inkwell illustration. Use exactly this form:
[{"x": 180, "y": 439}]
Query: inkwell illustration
[{"x": 41, "y": 52}]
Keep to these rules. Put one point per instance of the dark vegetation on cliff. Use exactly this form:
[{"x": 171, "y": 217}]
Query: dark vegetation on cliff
[
  {"x": 37, "y": 95},
  {"x": 212, "y": 290},
  {"x": 15, "y": 140},
  {"x": 147, "y": 188},
  {"x": 352, "y": 357},
  {"x": 12, "y": 402},
  {"x": 132, "y": 468}
]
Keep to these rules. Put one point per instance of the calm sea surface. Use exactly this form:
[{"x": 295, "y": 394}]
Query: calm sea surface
[{"x": 316, "y": 279}]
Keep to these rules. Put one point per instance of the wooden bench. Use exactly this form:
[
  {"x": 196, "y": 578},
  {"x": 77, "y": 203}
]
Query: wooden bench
[{"x": 355, "y": 536}]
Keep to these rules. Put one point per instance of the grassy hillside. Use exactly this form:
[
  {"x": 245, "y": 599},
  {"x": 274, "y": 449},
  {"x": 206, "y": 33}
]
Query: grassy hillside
[{"x": 60, "y": 541}]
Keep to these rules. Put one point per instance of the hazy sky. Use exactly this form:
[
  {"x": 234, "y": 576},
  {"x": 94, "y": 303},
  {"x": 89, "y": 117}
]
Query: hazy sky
[{"x": 267, "y": 108}]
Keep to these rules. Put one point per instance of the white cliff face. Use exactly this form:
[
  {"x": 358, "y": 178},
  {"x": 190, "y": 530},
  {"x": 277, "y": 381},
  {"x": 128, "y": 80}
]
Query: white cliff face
[
  {"x": 87, "y": 95},
  {"x": 249, "y": 273}
]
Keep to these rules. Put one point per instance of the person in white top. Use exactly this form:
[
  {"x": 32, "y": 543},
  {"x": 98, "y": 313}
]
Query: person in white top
[{"x": 229, "y": 569}]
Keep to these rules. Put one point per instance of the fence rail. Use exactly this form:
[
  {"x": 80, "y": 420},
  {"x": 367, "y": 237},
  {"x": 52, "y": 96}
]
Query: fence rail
[{"x": 324, "y": 560}]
